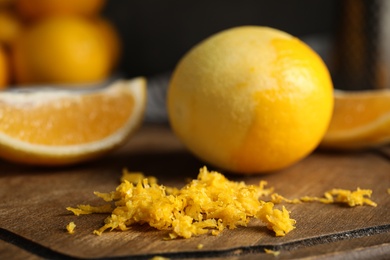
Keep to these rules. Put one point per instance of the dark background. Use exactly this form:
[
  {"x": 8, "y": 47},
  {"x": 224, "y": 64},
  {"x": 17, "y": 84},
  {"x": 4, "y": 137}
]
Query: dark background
[{"x": 156, "y": 33}]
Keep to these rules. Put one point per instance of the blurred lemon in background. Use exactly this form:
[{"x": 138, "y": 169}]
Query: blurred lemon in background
[
  {"x": 37, "y": 9},
  {"x": 250, "y": 99},
  {"x": 10, "y": 26},
  {"x": 361, "y": 120},
  {"x": 4, "y": 68},
  {"x": 61, "y": 49},
  {"x": 111, "y": 39},
  {"x": 57, "y": 41}
]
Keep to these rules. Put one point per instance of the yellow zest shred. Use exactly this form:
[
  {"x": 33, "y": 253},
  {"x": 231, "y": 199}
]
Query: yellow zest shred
[
  {"x": 278, "y": 220},
  {"x": 135, "y": 177},
  {"x": 159, "y": 258},
  {"x": 351, "y": 198},
  {"x": 70, "y": 227},
  {"x": 210, "y": 202},
  {"x": 277, "y": 199},
  {"x": 88, "y": 209},
  {"x": 263, "y": 191},
  {"x": 271, "y": 252},
  {"x": 388, "y": 190}
]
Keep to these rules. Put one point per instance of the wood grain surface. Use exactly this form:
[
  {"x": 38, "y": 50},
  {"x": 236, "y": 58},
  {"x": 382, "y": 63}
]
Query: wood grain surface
[{"x": 33, "y": 213}]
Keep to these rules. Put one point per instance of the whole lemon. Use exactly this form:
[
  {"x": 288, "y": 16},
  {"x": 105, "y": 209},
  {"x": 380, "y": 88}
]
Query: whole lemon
[
  {"x": 38, "y": 9},
  {"x": 250, "y": 99},
  {"x": 63, "y": 49}
]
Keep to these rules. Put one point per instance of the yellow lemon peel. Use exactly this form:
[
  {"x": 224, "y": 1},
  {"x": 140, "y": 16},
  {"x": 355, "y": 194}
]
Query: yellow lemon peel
[
  {"x": 70, "y": 227},
  {"x": 210, "y": 202},
  {"x": 271, "y": 252},
  {"x": 359, "y": 197}
]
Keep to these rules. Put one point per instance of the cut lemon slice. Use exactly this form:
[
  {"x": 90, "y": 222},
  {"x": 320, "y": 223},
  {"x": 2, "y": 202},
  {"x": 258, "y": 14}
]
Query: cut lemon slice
[
  {"x": 361, "y": 119},
  {"x": 57, "y": 127}
]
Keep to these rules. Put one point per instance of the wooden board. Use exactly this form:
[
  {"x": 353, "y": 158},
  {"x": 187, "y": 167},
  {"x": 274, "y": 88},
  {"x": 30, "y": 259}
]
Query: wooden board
[{"x": 33, "y": 205}]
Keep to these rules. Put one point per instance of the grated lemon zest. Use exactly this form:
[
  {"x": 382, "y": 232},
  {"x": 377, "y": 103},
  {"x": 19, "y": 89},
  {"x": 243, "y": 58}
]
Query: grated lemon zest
[
  {"x": 210, "y": 202},
  {"x": 272, "y": 252},
  {"x": 277, "y": 199},
  {"x": 351, "y": 198},
  {"x": 88, "y": 209},
  {"x": 135, "y": 177},
  {"x": 159, "y": 258},
  {"x": 70, "y": 227}
]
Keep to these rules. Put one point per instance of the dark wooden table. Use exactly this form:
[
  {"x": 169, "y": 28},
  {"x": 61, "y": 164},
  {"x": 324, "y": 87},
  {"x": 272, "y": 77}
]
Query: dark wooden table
[{"x": 33, "y": 205}]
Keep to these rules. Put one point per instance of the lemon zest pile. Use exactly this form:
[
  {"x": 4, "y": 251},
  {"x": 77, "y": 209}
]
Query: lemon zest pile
[{"x": 210, "y": 202}]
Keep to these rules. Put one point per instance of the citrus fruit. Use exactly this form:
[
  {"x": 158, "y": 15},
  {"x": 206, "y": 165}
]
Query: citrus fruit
[
  {"x": 361, "y": 119},
  {"x": 59, "y": 126},
  {"x": 37, "y": 9},
  {"x": 10, "y": 27},
  {"x": 111, "y": 38},
  {"x": 61, "y": 50},
  {"x": 4, "y": 68},
  {"x": 250, "y": 99}
]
